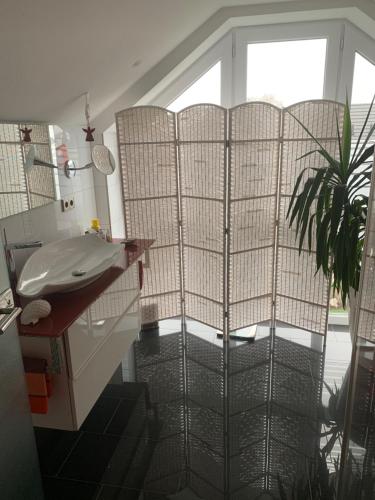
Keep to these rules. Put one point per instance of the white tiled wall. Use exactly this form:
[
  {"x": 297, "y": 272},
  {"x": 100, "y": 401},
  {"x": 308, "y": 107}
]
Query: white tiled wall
[
  {"x": 101, "y": 196},
  {"x": 49, "y": 223},
  {"x": 83, "y": 182},
  {"x": 114, "y": 191}
]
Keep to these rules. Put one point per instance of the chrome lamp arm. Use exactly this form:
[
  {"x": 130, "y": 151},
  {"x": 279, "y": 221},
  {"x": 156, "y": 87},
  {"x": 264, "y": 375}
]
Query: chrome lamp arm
[{"x": 101, "y": 159}]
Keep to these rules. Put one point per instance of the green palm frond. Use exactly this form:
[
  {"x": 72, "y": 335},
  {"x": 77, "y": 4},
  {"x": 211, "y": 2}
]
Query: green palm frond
[{"x": 330, "y": 202}]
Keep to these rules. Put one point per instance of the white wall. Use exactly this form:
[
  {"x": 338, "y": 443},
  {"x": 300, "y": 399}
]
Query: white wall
[{"x": 113, "y": 189}]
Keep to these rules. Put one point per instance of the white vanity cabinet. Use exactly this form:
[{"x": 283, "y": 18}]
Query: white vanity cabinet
[{"x": 83, "y": 359}]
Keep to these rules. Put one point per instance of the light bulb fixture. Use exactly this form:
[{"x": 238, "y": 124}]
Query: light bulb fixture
[{"x": 101, "y": 158}]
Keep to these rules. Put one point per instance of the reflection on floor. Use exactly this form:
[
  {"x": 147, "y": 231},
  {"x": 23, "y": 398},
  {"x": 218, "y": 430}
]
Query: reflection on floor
[{"x": 194, "y": 420}]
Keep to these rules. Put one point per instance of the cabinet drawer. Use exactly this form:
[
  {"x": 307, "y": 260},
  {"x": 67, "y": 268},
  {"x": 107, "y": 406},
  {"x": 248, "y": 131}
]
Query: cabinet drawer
[
  {"x": 96, "y": 374},
  {"x": 96, "y": 324},
  {"x": 59, "y": 414}
]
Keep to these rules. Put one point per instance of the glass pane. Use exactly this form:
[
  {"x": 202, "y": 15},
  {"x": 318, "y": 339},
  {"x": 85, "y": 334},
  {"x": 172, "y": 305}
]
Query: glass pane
[
  {"x": 284, "y": 73},
  {"x": 206, "y": 89},
  {"x": 362, "y": 94},
  {"x": 363, "y": 80}
]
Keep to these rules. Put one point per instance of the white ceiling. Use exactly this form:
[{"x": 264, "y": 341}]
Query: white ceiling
[{"x": 53, "y": 51}]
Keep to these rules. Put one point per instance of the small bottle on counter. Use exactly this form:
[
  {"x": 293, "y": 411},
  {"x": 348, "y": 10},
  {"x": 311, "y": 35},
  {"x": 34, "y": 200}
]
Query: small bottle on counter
[
  {"x": 96, "y": 229},
  {"x": 95, "y": 225},
  {"x": 104, "y": 234}
]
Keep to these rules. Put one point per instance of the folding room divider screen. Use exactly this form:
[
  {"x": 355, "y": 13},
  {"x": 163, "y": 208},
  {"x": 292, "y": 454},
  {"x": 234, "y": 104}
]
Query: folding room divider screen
[
  {"x": 212, "y": 187},
  {"x": 148, "y": 156},
  {"x": 365, "y": 312}
]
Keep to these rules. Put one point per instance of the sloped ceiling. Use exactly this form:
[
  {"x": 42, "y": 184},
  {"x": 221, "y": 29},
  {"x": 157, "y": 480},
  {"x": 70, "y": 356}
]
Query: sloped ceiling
[{"x": 51, "y": 52}]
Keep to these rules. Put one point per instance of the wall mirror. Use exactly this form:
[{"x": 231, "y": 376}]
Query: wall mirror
[
  {"x": 21, "y": 191},
  {"x": 33, "y": 174}
]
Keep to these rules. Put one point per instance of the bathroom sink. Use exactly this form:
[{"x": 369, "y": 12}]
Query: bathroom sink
[{"x": 66, "y": 265}]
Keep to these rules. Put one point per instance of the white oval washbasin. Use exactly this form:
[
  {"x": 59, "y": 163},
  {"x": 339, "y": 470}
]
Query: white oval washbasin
[{"x": 66, "y": 265}]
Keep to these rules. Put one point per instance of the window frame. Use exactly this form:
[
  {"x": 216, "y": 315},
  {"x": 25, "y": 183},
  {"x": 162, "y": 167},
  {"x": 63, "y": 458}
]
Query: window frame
[
  {"x": 221, "y": 51},
  {"x": 331, "y": 30},
  {"x": 355, "y": 41},
  {"x": 343, "y": 41}
]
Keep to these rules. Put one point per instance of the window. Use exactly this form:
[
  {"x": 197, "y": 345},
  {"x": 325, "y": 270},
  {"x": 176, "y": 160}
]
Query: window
[
  {"x": 362, "y": 94},
  {"x": 282, "y": 63},
  {"x": 206, "y": 89},
  {"x": 286, "y": 72},
  {"x": 363, "y": 80}
]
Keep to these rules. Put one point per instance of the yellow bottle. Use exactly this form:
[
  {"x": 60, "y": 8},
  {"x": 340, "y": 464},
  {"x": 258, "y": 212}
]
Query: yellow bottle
[{"x": 95, "y": 225}]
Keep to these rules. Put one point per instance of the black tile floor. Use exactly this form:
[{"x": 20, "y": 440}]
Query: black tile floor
[
  {"x": 74, "y": 464},
  {"x": 162, "y": 437}
]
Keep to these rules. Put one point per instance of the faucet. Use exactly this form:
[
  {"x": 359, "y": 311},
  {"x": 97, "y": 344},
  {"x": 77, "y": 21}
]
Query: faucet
[
  {"x": 9, "y": 255},
  {"x": 19, "y": 245}
]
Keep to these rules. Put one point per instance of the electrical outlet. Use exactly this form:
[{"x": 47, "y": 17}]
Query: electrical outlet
[{"x": 67, "y": 204}]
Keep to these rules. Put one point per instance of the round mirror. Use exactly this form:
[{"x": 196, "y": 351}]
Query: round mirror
[{"x": 103, "y": 159}]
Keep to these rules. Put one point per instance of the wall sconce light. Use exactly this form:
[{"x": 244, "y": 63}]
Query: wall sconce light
[{"x": 101, "y": 158}]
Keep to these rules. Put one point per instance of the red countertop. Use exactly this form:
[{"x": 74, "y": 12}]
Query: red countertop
[{"x": 67, "y": 307}]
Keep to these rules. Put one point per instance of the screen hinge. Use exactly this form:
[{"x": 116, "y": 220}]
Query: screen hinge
[{"x": 342, "y": 42}]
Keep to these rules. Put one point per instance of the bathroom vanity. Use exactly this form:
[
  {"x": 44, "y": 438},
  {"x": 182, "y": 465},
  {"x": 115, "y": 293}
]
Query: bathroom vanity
[{"x": 85, "y": 337}]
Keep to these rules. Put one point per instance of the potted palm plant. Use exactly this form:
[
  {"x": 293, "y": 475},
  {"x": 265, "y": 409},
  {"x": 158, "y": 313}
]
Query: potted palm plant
[{"x": 333, "y": 204}]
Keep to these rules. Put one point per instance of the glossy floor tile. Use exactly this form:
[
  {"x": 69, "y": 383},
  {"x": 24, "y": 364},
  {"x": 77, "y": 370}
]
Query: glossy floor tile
[
  {"x": 188, "y": 418},
  {"x": 89, "y": 458},
  {"x": 61, "y": 489}
]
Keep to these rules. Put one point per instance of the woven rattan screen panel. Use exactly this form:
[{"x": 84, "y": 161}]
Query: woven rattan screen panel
[
  {"x": 301, "y": 294},
  {"x": 170, "y": 168},
  {"x": 366, "y": 294},
  {"x": 40, "y": 179},
  {"x": 202, "y": 152},
  {"x": 147, "y": 147},
  {"x": 254, "y": 131},
  {"x": 19, "y": 193}
]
